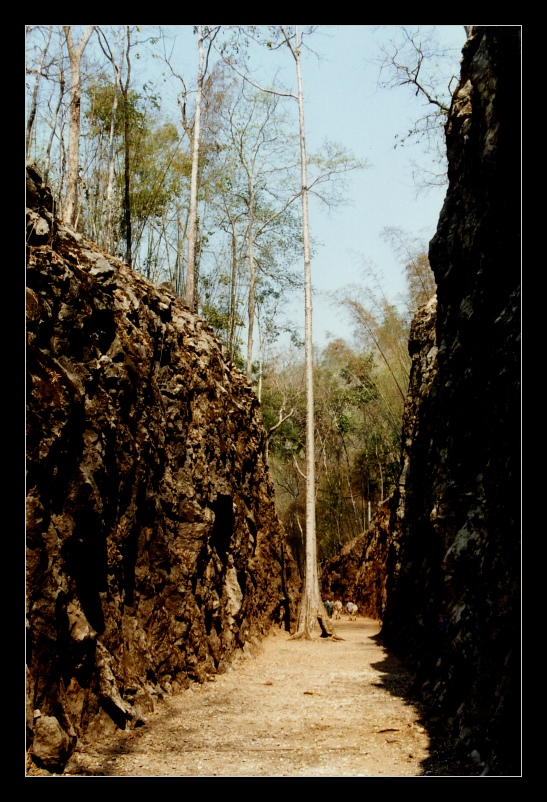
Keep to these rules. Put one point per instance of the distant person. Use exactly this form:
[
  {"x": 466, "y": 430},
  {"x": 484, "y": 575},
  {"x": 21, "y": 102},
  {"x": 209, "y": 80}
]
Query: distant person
[
  {"x": 349, "y": 608},
  {"x": 328, "y": 607},
  {"x": 354, "y": 610},
  {"x": 337, "y": 609}
]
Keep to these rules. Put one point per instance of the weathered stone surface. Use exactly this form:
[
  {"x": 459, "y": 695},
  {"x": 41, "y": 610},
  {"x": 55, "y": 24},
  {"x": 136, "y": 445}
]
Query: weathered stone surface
[
  {"x": 51, "y": 743},
  {"x": 359, "y": 572},
  {"x": 154, "y": 553},
  {"x": 457, "y": 546},
  {"x": 452, "y": 551}
]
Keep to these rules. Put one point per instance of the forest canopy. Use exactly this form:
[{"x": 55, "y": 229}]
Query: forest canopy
[{"x": 194, "y": 177}]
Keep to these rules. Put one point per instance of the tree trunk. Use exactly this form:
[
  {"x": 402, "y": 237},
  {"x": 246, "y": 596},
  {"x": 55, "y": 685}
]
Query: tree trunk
[
  {"x": 181, "y": 238},
  {"x": 109, "y": 225},
  {"x": 190, "y": 294},
  {"x": 381, "y": 475},
  {"x": 70, "y": 212},
  {"x": 54, "y": 123},
  {"x": 233, "y": 284},
  {"x": 127, "y": 166},
  {"x": 252, "y": 284},
  {"x": 311, "y": 607},
  {"x": 260, "y": 368},
  {"x": 32, "y": 110}
]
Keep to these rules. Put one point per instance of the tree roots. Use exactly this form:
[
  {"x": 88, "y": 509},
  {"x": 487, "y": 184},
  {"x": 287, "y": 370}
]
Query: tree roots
[{"x": 326, "y": 632}]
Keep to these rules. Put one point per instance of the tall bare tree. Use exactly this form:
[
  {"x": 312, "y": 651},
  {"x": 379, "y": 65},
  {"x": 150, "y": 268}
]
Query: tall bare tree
[
  {"x": 70, "y": 211},
  {"x": 311, "y": 609},
  {"x": 56, "y": 115},
  {"x": 311, "y": 606},
  {"x": 190, "y": 289},
  {"x": 127, "y": 166},
  {"x": 209, "y": 34},
  {"x": 38, "y": 74},
  {"x": 110, "y": 53}
]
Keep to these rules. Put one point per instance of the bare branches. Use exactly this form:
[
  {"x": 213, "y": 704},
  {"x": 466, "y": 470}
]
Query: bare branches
[
  {"x": 247, "y": 79},
  {"x": 70, "y": 212},
  {"x": 414, "y": 59},
  {"x": 282, "y": 419},
  {"x": 280, "y": 422},
  {"x": 39, "y": 74},
  {"x": 297, "y": 466}
]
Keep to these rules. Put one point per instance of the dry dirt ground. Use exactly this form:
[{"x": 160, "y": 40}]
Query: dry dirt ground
[{"x": 319, "y": 708}]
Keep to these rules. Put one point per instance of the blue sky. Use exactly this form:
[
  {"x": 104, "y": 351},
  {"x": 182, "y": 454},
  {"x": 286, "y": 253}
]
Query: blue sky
[{"x": 344, "y": 103}]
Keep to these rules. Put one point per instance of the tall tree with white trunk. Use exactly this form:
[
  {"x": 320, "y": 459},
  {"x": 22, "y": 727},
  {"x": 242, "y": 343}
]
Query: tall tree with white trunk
[
  {"x": 70, "y": 211},
  {"x": 38, "y": 75},
  {"x": 110, "y": 53},
  {"x": 336, "y": 162},
  {"x": 190, "y": 288},
  {"x": 311, "y": 606}
]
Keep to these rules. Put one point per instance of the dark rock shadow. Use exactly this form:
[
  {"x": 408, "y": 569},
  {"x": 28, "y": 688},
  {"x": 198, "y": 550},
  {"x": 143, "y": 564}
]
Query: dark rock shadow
[{"x": 397, "y": 678}]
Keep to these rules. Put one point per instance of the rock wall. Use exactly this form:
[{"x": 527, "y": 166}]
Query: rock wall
[
  {"x": 453, "y": 587},
  {"x": 154, "y": 553},
  {"x": 360, "y": 571},
  {"x": 447, "y": 589}
]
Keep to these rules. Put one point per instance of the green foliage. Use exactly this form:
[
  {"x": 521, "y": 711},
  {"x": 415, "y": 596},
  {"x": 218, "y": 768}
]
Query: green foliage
[
  {"x": 159, "y": 166},
  {"x": 100, "y": 96},
  {"x": 215, "y": 308},
  {"x": 160, "y": 172},
  {"x": 344, "y": 423},
  {"x": 358, "y": 440}
]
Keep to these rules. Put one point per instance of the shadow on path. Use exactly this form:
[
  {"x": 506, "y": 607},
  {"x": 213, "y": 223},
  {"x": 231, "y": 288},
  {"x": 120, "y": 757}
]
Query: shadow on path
[{"x": 397, "y": 680}]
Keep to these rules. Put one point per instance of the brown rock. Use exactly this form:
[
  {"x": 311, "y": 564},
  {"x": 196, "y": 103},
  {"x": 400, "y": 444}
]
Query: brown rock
[
  {"x": 455, "y": 559},
  {"x": 154, "y": 549},
  {"x": 51, "y": 743},
  {"x": 445, "y": 567}
]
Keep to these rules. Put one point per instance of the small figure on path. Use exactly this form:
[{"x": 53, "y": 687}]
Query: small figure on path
[
  {"x": 337, "y": 609},
  {"x": 349, "y": 608},
  {"x": 354, "y": 611},
  {"x": 328, "y": 607}
]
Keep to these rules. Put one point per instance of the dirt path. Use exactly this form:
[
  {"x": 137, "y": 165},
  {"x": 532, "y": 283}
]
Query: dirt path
[{"x": 295, "y": 709}]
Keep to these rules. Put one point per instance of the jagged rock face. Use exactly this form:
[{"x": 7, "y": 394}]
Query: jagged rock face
[
  {"x": 448, "y": 541},
  {"x": 154, "y": 552},
  {"x": 359, "y": 572},
  {"x": 456, "y": 533}
]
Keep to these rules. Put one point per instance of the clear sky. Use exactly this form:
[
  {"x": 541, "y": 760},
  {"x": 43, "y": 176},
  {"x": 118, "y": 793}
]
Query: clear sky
[{"x": 344, "y": 103}]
